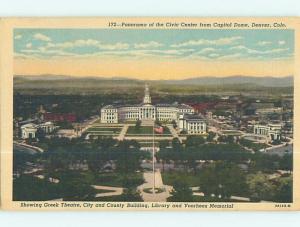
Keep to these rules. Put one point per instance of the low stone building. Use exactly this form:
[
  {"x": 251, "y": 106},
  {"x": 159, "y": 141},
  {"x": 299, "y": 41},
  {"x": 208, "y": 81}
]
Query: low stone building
[
  {"x": 271, "y": 130},
  {"x": 30, "y": 130}
]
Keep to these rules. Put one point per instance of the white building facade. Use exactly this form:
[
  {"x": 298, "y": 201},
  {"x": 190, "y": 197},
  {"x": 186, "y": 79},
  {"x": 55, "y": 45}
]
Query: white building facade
[
  {"x": 144, "y": 111},
  {"x": 29, "y": 130},
  {"x": 271, "y": 130},
  {"x": 192, "y": 124}
]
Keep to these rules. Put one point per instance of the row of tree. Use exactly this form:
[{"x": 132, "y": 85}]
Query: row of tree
[
  {"x": 221, "y": 180},
  {"x": 189, "y": 156}
]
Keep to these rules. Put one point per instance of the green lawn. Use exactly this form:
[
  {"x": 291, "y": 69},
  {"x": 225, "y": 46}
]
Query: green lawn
[
  {"x": 145, "y": 130},
  {"x": 104, "y": 130},
  {"x": 253, "y": 145}
]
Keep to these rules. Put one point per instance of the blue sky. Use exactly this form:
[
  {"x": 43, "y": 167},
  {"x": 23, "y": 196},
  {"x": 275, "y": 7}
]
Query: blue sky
[{"x": 191, "y": 44}]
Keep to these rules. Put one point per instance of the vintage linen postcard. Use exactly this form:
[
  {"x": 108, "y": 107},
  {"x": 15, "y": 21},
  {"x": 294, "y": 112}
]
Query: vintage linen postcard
[{"x": 150, "y": 114}]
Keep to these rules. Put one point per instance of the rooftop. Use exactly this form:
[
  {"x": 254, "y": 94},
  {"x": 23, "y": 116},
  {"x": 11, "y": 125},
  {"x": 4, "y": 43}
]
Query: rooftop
[
  {"x": 174, "y": 105},
  {"x": 191, "y": 117}
]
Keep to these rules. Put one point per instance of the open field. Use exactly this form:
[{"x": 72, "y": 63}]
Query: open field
[
  {"x": 102, "y": 129},
  {"x": 231, "y": 133},
  {"x": 145, "y": 130}
]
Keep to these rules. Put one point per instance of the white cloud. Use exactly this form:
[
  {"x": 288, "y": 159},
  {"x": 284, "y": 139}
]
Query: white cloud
[
  {"x": 151, "y": 44},
  {"x": 43, "y": 52},
  {"x": 28, "y": 45},
  {"x": 42, "y": 37},
  {"x": 116, "y": 46},
  {"x": 230, "y": 56},
  {"x": 239, "y": 47},
  {"x": 213, "y": 55},
  {"x": 217, "y": 42},
  {"x": 30, "y": 51},
  {"x": 18, "y": 37},
  {"x": 264, "y": 43},
  {"x": 278, "y": 50},
  {"x": 253, "y": 51},
  {"x": 281, "y": 42},
  {"x": 206, "y": 50},
  {"x": 138, "y": 53},
  {"x": 88, "y": 43}
]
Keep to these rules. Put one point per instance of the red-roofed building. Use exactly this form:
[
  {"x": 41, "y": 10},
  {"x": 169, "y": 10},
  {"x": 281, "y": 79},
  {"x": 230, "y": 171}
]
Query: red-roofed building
[
  {"x": 202, "y": 107},
  {"x": 60, "y": 117}
]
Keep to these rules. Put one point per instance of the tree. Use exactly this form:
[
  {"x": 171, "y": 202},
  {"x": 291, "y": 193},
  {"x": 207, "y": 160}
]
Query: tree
[
  {"x": 264, "y": 162},
  {"x": 176, "y": 144},
  {"x": 74, "y": 187},
  {"x": 134, "y": 144},
  {"x": 284, "y": 192},
  {"x": 65, "y": 125},
  {"x": 40, "y": 134},
  {"x": 131, "y": 195},
  {"x": 192, "y": 163},
  {"x": 104, "y": 142},
  {"x": 95, "y": 161},
  {"x": 194, "y": 141},
  {"x": 226, "y": 139},
  {"x": 138, "y": 124},
  {"x": 128, "y": 159},
  {"x": 223, "y": 179},
  {"x": 181, "y": 192},
  {"x": 57, "y": 159},
  {"x": 163, "y": 144},
  {"x": 286, "y": 162},
  {"x": 211, "y": 136},
  {"x": 260, "y": 187},
  {"x": 29, "y": 188},
  {"x": 174, "y": 124},
  {"x": 20, "y": 160}
]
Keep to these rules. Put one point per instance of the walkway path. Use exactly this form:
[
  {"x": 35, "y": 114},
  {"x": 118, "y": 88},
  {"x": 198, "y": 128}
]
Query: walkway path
[
  {"x": 174, "y": 132},
  {"x": 123, "y": 132},
  {"x": 31, "y": 148},
  {"x": 158, "y": 197},
  {"x": 115, "y": 191}
]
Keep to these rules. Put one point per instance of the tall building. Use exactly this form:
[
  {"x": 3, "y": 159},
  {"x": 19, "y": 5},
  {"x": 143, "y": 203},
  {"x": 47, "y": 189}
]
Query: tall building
[{"x": 144, "y": 111}]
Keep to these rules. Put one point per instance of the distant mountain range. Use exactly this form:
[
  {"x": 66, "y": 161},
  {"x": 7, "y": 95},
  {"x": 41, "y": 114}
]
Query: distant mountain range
[
  {"x": 266, "y": 81},
  {"x": 261, "y": 81}
]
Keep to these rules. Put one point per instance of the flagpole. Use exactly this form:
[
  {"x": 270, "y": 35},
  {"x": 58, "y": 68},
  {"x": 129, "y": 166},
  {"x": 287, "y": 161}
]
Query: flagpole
[{"x": 153, "y": 165}]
